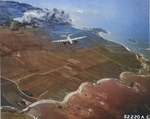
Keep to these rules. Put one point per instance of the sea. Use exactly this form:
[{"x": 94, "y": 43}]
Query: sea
[{"x": 117, "y": 25}]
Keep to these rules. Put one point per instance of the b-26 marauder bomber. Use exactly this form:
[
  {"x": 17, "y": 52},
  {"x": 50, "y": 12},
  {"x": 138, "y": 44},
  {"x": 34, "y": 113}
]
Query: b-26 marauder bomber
[
  {"x": 133, "y": 41},
  {"x": 71, "y": 41}
]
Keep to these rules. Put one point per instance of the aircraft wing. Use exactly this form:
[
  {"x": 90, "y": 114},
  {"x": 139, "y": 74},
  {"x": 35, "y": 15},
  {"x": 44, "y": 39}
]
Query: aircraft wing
[
  {"x": 78, "y": 38},
  {"x": 60, "y": 40}
]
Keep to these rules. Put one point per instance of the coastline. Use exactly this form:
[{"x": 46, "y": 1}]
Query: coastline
[
  {"x": 141, "y": 59},
  {"x": 101, "y": 34},
  {"x": 60, "y": 108},
  {"x": 109, "y": 40}
]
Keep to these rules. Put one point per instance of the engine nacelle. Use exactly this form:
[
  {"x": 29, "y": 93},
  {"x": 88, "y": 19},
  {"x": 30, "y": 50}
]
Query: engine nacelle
[{"x": 75, "y": 41}]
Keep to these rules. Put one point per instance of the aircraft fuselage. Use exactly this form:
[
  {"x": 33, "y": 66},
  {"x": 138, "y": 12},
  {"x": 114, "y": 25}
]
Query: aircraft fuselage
[{"x": 70, "y": 41}]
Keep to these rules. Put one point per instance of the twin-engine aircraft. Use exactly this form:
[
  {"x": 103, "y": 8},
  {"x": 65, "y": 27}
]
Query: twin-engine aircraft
[
  {"x": 133, "y": 41},
  {"x": 71, "y": 41}
]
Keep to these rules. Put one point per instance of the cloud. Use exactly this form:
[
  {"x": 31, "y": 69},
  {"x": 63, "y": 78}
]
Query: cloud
[
  {"x": 56, "y": 16},
  {"x": 79, "y": 11}
]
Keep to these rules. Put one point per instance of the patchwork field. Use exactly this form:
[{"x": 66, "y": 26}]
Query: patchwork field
[{"x": 43, "y": 68}]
